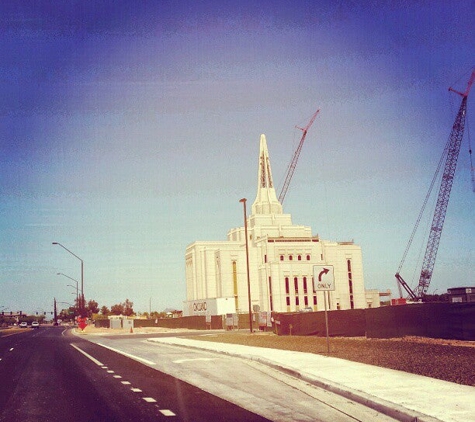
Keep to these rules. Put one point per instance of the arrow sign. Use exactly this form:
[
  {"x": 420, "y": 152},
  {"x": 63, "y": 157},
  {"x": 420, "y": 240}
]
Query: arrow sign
[
  {"x": 324, "y": 271},
  {"x": 323, "y": 278}
]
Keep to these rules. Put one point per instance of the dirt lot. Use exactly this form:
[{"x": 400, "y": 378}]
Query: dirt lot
[{"x": 449, "y": 360}]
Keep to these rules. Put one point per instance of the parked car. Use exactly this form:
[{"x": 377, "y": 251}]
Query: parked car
[
  {"x": 35, "y": 324},
  {"x": 23, "y": 324}
]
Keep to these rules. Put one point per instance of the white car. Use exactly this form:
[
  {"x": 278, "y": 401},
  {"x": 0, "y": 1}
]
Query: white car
[
  {"x": 35, "y": 324},
  {"x": 23, "y": 324}
]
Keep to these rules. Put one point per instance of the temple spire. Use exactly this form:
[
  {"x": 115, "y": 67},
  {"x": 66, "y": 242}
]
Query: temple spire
[{"x": 266, "y": 201}]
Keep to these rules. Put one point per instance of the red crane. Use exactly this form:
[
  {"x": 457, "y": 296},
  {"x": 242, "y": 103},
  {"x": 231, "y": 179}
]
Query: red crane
[
  {"x": 452, "y": 150},
  {"x": 295, "y": 158}
]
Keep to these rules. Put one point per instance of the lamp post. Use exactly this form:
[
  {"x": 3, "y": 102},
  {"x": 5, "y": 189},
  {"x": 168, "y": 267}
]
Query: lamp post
[
  {"x": 81, "y": 305},
  {"x": 65, "y": 303},
  {"x": 70, "y": 285},
  {"x": 243, "y": 200}
]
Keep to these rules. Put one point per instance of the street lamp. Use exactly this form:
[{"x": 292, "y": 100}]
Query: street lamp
[
  {"x": 70, "y": 306},
  {"x": 243, "y": 200},
  {"x": 77, "y": 287},
  {"x": 82, "y": 275}
]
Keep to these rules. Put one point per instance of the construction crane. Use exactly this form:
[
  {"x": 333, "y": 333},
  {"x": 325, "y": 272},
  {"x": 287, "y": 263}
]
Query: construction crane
[
  {"x": 295, "y": 158},
  {"x": 452, "y": 152}
]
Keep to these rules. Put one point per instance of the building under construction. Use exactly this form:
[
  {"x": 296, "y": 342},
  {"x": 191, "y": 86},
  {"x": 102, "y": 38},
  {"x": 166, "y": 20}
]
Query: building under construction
[{"x": 282, "y": 258}]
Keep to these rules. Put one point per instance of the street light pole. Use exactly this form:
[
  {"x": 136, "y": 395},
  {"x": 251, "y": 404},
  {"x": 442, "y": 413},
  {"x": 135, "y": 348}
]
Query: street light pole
[
  {"x": 77, "y": 287},
  {"x": 82, "y": 275},
  {"x": 243, "y": 200}
]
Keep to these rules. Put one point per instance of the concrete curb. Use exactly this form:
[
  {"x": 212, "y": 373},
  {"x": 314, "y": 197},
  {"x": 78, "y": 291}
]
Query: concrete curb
[{"x": 387, "y": 408}]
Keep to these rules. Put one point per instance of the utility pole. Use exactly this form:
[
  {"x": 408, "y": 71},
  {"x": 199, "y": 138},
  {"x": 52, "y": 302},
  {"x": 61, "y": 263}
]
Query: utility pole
[
  {"x": 55, "y": 313},
  {"x": 243, "y": 200}
]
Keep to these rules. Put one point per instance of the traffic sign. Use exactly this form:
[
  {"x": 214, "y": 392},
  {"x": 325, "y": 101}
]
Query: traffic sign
[
  {"x": 82, "y": 323},
  {"x": 323, "y": 278}
]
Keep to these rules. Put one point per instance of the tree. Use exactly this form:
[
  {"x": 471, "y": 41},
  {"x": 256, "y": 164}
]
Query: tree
[
  {"x": 117, "y": 309},
  {"x": 128, "y": 308},
  {"x": 92, "y": 307},
  {"x": 105, "y": 310}
]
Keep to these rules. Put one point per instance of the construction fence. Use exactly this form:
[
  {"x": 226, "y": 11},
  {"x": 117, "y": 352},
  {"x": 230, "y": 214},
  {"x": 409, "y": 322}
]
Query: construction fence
[{"x": 435, "y": 320}]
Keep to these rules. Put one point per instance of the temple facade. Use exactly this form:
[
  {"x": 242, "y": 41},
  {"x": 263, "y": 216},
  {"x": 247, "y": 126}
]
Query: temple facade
[{"x": 282, "y": 261}]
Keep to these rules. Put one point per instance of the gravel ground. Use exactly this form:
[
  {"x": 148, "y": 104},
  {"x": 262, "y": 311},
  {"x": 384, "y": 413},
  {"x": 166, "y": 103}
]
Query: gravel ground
[{"x": 449, "y": 360}]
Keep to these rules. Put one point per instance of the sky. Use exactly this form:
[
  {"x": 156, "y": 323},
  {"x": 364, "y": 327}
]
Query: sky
[{"x": 129, "y": 130}]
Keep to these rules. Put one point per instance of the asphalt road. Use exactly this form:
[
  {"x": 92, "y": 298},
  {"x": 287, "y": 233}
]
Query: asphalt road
[{"x": 51, "y": 375}]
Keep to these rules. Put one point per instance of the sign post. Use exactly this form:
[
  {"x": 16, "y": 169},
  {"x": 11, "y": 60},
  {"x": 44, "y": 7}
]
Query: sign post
[{"x": 324, "y": 281}]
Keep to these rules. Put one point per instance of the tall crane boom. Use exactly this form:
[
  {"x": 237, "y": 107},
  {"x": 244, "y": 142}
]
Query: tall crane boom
[
  {"x": 452, "y": 151},
  {"x": 295, "y": 158}
]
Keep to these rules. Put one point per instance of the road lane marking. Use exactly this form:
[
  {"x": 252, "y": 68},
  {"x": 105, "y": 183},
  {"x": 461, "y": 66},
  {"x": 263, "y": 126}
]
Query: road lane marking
[
  {"x": 11, "y": 350},
  {"x": 191, "y": 360},
  {"x": 148, "y": 362},
  {"x": 166, "y": 412},
  {"x": 87, "y": 355},
  {"x": 110, "y": 372}
]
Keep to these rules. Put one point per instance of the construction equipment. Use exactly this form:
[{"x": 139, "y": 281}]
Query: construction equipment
[
  {"x": 293, "y": 162},
  {"x": 451, "y": 151}
]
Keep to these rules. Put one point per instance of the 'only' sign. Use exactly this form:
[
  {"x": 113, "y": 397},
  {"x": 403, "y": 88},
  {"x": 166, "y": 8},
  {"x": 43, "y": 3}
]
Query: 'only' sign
[{"x": 323, "y": 278}]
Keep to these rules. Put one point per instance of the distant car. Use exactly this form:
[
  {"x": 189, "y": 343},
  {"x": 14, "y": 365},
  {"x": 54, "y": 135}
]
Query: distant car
[
  {"x": 23, "y": 324},
  {"x": 35, "y": 324},
  {"x": 307, "y": 309}
]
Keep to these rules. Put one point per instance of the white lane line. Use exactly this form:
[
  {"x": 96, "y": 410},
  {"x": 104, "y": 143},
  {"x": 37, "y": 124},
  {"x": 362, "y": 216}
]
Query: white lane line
[
  {"x": 148, "y": 362},
  {"x": 125, "y": 382},
  {"x": 166, "y": 412},
  {"x": 117, "y": 376},
  {"x": 87, "y": 355},
  {"x": 11, "y": 350},
  {"x": 149, "y": 399},
  {"x": 110, "y": 372},
  {"x": 136, "y": 390},
  {"x": 191, "y": 360}
]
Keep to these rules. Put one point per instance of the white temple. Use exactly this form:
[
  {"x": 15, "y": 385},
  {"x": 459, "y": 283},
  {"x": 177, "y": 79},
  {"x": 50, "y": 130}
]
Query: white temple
[{"x": 282, "y": 257}]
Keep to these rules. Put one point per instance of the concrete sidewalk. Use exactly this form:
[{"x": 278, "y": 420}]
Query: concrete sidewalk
[{"x": 401, "y": 395}]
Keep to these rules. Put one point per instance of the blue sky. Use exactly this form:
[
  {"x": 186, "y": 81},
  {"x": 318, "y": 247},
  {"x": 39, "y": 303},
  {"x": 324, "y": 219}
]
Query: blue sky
[{"x": 129, "y": 130}]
